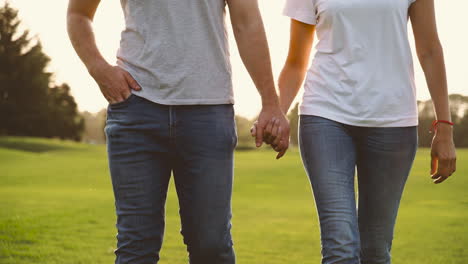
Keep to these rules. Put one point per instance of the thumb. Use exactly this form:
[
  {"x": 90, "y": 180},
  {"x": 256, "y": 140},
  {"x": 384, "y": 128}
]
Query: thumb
[
  {"x": 253, "y": 130},
  {"x": 281, "y": 154},
  {"x": 131, "y": 82}
]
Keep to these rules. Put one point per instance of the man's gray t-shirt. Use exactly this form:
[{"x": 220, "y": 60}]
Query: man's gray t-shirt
[{"x": 177, "y": 50}]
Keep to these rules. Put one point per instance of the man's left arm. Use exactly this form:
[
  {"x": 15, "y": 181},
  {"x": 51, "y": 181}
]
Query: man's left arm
[{"x": 253, "y": 48}]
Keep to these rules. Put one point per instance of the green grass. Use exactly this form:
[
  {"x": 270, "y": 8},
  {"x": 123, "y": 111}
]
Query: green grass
[{"x": 56, "y": 206}]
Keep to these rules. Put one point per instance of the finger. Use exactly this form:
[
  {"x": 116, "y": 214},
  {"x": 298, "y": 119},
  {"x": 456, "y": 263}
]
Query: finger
[
  {"x": 281, "y": 153},
  {"x": 450, "y": 168},
  {"x": 253, "y": 131},
  {"x": 443, "y": 167},
  {"x": 435, "y": 176},
  {"x": 259, "y": 136},
  {"x": 117, "y": 98},
  {"x": 267, "y": 134},
  {"x": 126, "y": 94},
  {"x": 440, "y": 179},
  {"x": 274, "y": 131},
  {"x": 111, "y": 95},
  {"x": 281, "y": 148},
  {"x": 285, "y": 136},
  {"x": 118, "y": 90},
  {"x": 131, "y": 82},
  {"x": 269, "y": 128},
  {"x": 277, "y": 146},
  {"x": 267, "y": 138},
  {"x": 273, "y": 136},
  {"x": 278, "y": 136}
]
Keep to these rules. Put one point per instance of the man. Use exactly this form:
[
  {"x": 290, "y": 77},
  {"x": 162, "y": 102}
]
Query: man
[{"x": 170, "y": 110}]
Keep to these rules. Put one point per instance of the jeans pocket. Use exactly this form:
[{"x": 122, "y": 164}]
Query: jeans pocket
[{"x": 122, "y": 103}]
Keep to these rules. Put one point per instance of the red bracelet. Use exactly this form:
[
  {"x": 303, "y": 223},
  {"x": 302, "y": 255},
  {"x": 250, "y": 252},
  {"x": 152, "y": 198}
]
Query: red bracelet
[{"x": 436, "y": 122}]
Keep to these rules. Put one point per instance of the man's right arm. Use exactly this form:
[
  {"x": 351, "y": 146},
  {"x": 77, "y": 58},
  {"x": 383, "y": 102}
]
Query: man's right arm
[{"x": 114, "y": 82}]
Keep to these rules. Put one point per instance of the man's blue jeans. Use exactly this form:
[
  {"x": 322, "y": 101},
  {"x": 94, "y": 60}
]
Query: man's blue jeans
[
  {"x": 146, "y": 142},
  {"x": 383, "y": 156}
]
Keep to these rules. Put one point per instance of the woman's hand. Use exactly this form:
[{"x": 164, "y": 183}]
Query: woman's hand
[{"x": 443, "y": 155}]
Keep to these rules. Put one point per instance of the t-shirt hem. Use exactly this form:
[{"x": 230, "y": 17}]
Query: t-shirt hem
[
  {"x": 204, "y": 101},
  {"x": 397, "y": 121}
]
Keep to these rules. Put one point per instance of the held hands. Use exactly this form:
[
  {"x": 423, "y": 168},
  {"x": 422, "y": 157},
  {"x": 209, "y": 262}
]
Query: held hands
[
  {"x": 272, "y": 127},
  {"x": 115, "y": 83},
  {"x": 443, "y": 156}
]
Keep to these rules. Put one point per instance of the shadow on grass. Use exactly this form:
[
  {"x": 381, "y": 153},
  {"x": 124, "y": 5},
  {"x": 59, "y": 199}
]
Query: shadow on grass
[
  {"x": 244, "y": 148},
  {"x": 31, "y": 145}
]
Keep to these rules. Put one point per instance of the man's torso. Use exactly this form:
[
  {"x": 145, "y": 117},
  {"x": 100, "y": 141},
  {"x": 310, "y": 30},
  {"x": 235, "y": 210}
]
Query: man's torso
[{"x": 177, "y": 50}]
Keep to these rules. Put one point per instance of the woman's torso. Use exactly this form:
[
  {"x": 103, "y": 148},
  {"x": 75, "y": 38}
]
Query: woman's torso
[{"x": 362, "y": 72}]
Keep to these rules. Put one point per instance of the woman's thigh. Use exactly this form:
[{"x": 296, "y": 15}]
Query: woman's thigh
[
  {"x": 384, "y": 160},
  {"x": 329, "y": 156}
]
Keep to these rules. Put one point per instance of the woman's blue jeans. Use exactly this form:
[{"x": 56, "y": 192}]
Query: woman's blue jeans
[
  {"x": 146, "y": 143},
  {"x": 331, "y": 152}
]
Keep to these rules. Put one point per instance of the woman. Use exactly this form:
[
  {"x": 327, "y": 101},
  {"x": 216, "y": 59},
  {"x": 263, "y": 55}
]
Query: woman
[{"x": 359, "y": 110}]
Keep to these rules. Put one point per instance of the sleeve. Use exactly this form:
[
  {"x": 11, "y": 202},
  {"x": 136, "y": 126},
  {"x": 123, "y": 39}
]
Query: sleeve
[{"x": 302, "y": 10}]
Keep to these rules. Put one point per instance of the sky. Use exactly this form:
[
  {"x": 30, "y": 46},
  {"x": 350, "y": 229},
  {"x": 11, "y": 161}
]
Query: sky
[{"x": 47, "y": 20}]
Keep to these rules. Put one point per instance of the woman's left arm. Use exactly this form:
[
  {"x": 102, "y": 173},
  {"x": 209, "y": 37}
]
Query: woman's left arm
[{"x": 431, "y": 57}]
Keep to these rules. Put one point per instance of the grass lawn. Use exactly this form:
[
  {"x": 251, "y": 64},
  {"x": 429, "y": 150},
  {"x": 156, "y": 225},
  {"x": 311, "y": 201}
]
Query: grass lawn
[{"x": 56, "y": 206}]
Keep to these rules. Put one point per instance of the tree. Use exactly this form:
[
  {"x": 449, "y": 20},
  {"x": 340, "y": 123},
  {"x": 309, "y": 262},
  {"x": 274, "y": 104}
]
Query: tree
[
  {"x": 94, "y": 127},
  {"x": 28, "y": 107},
  {"x": 461, "y": 131},
  {"x": 244, "y": 138},
  {"x": 63, "y": 118}
]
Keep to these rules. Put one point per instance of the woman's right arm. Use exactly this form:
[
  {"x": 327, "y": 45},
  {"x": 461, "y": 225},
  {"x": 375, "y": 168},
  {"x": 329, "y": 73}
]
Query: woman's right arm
[{"x": 295, "y": 67}]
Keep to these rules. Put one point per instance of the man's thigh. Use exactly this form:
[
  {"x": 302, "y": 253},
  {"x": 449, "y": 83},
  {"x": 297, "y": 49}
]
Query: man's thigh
[
  {"x": 140, "y": 166},
  {"x": 203, "y": 172}
]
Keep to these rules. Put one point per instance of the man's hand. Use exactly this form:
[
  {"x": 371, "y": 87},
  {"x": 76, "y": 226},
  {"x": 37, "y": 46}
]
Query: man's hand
[
  {"x": 114, "y": 82},
  {"x": 443, "y": 156},
  {"x": 272, "y": 127},
  {"x": 253, "y": 48}
]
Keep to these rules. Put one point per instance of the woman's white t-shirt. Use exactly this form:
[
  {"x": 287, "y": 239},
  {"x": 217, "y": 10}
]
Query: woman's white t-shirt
[{"x": 362, "y": 73}]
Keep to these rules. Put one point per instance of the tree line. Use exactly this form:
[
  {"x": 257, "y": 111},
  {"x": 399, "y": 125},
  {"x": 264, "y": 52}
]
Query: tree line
[
  {"x": 458, "y": 105},
  {"x": 459, "y": 111}
]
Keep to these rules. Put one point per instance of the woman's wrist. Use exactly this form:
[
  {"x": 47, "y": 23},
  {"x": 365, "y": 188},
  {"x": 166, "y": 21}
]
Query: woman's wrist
[
  {"x": 284, "y": 107},
  {"x": 444, "y": 130}
]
